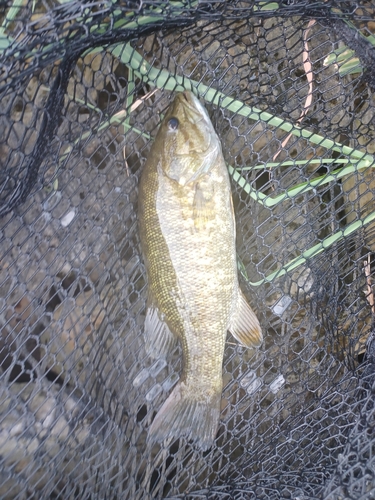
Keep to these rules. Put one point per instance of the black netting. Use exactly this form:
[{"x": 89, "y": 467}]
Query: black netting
[{"x": 84, "y": 86}]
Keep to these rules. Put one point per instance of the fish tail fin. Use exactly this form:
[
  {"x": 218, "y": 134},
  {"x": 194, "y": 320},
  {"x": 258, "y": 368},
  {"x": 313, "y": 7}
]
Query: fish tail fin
[{"x": 188, "y": 414}]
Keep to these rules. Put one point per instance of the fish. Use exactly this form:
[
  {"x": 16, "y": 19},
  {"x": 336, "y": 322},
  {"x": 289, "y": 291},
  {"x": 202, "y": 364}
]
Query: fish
[{"x": 188, "y": 241}]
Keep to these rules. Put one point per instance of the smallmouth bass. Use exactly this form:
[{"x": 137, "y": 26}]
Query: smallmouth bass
[{"x": 187, "y": 232}]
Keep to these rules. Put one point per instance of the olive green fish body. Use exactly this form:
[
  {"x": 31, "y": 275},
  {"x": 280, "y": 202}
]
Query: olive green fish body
[{"x": 187, "y": 231}]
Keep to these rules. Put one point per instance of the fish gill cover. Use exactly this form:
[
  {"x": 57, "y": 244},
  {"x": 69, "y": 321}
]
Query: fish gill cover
[{"x": 289, "y": 89}]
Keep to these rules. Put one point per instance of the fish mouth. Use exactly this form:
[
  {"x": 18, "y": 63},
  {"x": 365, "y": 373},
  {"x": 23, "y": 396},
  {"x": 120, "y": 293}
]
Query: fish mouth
[
  {"x": 196, "y": 113},
  {"x": 187, "y": 105},
  {"x": 193, "y": 109}
]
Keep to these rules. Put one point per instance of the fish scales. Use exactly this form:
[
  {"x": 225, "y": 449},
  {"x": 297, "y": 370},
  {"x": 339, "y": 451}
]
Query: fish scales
[{"x": 187, "y": 232}]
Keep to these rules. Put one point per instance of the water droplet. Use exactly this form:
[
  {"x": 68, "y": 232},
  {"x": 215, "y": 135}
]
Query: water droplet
[
  {"x": 251, "y": 382},
  {"x": 170, "y": 382},
  {"x": 67, "y": 219},
  {"x": 157, "y": 367},
  {"x": 155, "y": 391},
  {"x": 277, "y": 384},
  {"x": 282, "y": 304},
  {"x": 141, "y": 378}
]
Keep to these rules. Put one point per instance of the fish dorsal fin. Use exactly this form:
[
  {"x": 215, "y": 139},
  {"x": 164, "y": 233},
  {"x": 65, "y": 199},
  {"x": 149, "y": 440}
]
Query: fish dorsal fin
[
  {"x": 244, "y": 325},
  {"x": 159, "y": 338}
]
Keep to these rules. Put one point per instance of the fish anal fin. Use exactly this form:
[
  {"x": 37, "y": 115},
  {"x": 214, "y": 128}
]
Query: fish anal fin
[
  {"x": 186, "y": 414},
  {"x": 244, "y": 325},
  {"x": 159, "y": 339}
]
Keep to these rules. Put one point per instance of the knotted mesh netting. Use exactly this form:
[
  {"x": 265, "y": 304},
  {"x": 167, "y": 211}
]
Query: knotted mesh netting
[{"x": 289, "y": 86}]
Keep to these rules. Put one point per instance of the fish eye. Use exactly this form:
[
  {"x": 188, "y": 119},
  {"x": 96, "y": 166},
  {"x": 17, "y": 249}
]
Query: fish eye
[{"x": 173, "y": 123}]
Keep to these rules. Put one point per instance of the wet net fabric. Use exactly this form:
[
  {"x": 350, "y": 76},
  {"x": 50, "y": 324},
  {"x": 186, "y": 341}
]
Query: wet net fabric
[{"x": 84, "y": 86}]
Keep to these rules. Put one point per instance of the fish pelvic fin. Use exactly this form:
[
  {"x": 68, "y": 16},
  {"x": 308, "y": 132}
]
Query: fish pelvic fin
[
  {"x": 185, "y": 414},
  {"x": 244, "y": 325},
  {"x": 159, "y": 339}
]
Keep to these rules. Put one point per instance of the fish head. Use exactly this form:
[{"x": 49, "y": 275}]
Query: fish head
[{"x": 188, "y": 140}]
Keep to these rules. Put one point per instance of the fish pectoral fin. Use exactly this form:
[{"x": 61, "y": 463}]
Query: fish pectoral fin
[
  {"x": 159, "y": 338},
  {"x": 202, "y": 208},
  {"x": 245, "y": 326}
]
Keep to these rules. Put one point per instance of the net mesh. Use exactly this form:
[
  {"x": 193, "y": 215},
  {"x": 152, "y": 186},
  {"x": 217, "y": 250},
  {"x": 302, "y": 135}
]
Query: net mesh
[{"x": 83, "y": 88}]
